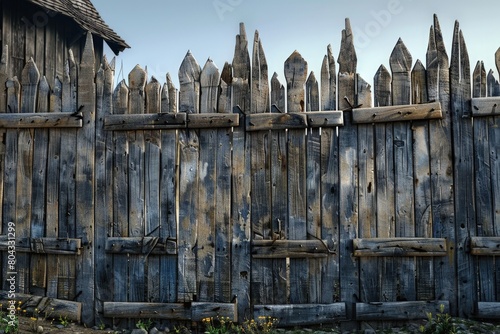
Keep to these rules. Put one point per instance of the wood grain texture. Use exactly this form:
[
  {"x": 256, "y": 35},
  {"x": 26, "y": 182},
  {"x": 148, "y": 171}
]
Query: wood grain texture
[
  {"x": 460, "y": 95},
  {"x": 296, "y": 75},
  {"x": 397, "y": 113},
  {"x": 240, "y": 212},
  {"x": 84, "y": 186},
  {"x": 348, "y": 173},
  {"x": 400, "y": 247},
  {"x": 410, "y": 310},
  {"x": 302, "y": 314}
]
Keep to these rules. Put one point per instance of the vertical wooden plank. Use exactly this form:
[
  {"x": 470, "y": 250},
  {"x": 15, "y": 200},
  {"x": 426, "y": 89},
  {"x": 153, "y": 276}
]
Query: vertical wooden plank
[
  {"x": 263, "y": 275},
  {"x": 240, "y": 212},
  {"x": 421, "y": 169},
  {"x": 296, "y": 75},
  {"x": 223, "y": 194},
  {"x": 29, "y": 81},
  {"x": 443, "y": 219},
  {"x": 84, "y": 186},
  {"x": 66, "y": 288},
  {"x": 460, "y": 94},
  {"x": 279, "y": 184},
  {"x": 152, "y": 189},
  {"x": 329, "y": 183},
  {"x": 189, "y": 97},
  {"x": 369, "y": 281},
  {"x": 495, "y": 175},
  {"x": 18, "y": 40},
  {"x": 168, "y": 208},
  {"x": 53, "y": 183},
  {"x": 401, "y": 63},
  {"x": 136, "y": 146},
  {"x": 3, "y": 109},
  {"x": 384, "y": 181},
  {"x": 11, "y": 153},
  {"x": 348, "y": 195},
  {"x": 39, "y": 225},
  {"x": 313, "y": 189},
  {"x": 483, "y": 184},
  {"x": 104, "y": 188},
  {"x": 120, "y": 194},
  {"x": 209, "y": 83}
]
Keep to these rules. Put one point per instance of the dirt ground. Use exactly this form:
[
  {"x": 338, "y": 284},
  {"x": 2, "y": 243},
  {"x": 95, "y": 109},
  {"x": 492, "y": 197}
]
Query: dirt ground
[{"x": 28, "y": 325}]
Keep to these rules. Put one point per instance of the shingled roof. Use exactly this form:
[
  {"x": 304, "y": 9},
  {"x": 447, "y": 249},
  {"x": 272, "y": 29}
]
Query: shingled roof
[{"x": 86, "y": 16}]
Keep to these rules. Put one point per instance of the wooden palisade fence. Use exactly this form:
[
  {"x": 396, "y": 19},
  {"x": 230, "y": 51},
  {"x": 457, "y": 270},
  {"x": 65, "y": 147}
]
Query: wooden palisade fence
[{"x": 137, "y": 200}]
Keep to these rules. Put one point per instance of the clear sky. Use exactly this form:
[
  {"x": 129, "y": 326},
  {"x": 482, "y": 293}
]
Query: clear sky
[{"x": 160, "y": 32}]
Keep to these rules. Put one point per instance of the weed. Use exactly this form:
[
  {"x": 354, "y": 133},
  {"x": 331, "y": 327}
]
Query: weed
[
  {"x": 441, "y": 324},
  {"x": 144, "y": 324},
  {"x": 64, "y": 321}
]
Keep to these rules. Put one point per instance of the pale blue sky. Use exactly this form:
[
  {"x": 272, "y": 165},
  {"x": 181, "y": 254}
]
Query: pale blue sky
[{"x": 160, "y": 32}]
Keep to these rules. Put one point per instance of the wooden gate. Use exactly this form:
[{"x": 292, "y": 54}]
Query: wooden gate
[{"x": 242, "y": 197}]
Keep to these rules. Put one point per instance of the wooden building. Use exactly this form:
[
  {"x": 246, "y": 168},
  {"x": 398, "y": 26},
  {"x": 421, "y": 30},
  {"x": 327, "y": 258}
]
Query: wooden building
[{"x": 46, "y": 29}]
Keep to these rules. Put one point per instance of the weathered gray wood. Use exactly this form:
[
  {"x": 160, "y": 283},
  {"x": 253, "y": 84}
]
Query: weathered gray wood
[
  {"x": 401, "y": 63},
  {"x": 410, "y": 310},
  {"x": 263, "y": 276},
  {"x": 485, "y": 106},
  {"x": 189, "y": 78},
  {"x": 145, "y": 122},
  {"x": 279, "y": 203},
  {"x": 168, "y": 208},
  {"x": 443, "y": 217},
  {"x": 494, "y": 135},
  {"x": 85, "y": 176},
  {"x": 104, "y": 189},
  {"x": 120, "y": 192},
  {"x": 66, "y": 309},
  {"x": 369, "y": 282},
  {"x": 141, "y": 245},
  {"x": 152, "y": 177},
  {"x": 400, "y": 247},
  {"x": 223, "y": 195},
  {"x": 209, "y": 83},
  {"x": 266, "y": 249},
  {"x": 137, "y": 79},
  {"x": 296, "y": 75},
  {"x": 170, "y": 311},
  {"x": 422, "y": 188},
  {"x": 463, "y": 151},
  {"x": 348, "y": 173},
  {"x": 212, "y": 120},
  {"x": 397, "y": 113},
  {"x": 485, "y": 246},
  {"x": 302, "y": 314},
  {"x": 313, "y": 190},
  {"x": 488, "y": 310},
  {"x": 38, "y": 193},
  {"x": 329, "y": 186},
  {"x": 30, "y": 79},
  {"x": 484, "y": 196},
  {"x": 384, "y": 181},
  {"x": 293, "y": 120},
  {"x": 50, "y": 245},
  {"x": 41, "y": 120},
  {"x": 53, "y": 184},
  {"x": 67, "y": 196},
  {"x": 240, "y": 212}
]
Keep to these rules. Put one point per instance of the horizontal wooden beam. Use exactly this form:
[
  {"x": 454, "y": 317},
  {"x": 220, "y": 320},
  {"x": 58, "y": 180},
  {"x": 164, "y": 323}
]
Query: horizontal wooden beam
[
  {"x": 401, "y": 113},
  {"x": 41, "y": 120},
  {"x": 485, "y": 106},
  {"x": 43, "y": 245},
  {"x": 486, "y": 246},
  {"x": 166, "y": 121},
  {"x": 195, "y": 311},
  {"x": 302, "y": 314},
  {"x": 400, "y": 247},
  {"x": 275, "y": 249},
  {"x": 399, "y": 310},
  {"x": 488, "y": 310},
  {"x": 304, "y": 120},
  {"x": 141, "y": 245},
  {"x": 49, "y": 307}
]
